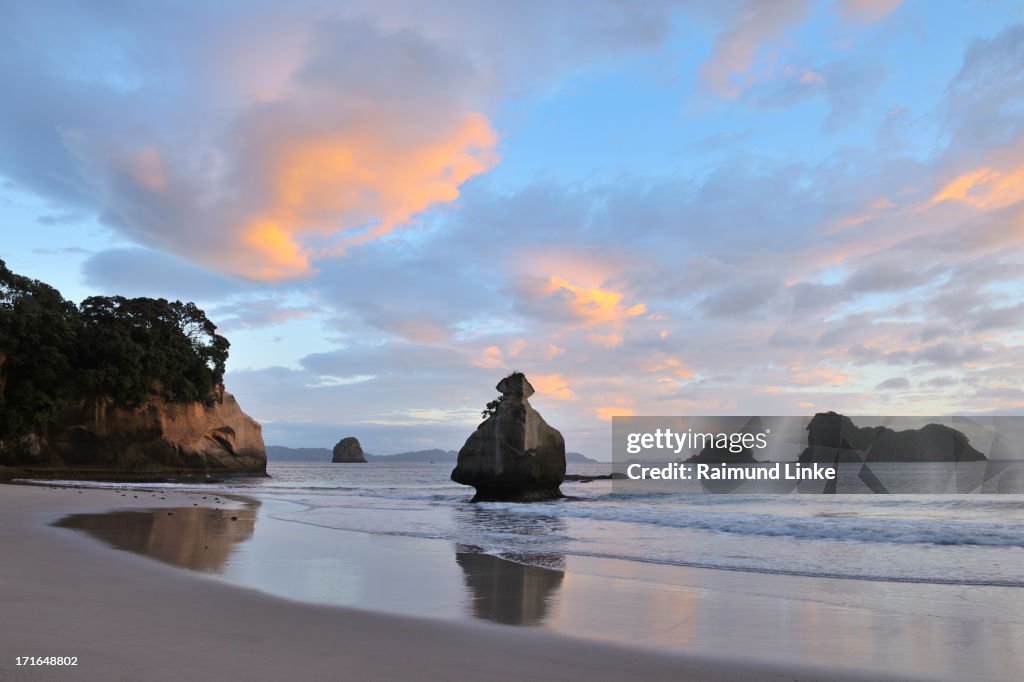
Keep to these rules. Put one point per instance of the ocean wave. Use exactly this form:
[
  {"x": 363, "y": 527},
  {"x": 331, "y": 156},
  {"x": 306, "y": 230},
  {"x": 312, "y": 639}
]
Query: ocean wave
[{"x": 840, "y": 528}]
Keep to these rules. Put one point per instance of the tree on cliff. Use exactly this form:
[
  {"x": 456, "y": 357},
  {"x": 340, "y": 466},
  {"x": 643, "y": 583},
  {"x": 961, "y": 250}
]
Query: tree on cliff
[
  {"x": 53, "y": 352},
  {"x": 38, "y": 331},
  {"x": 135, "y": 347}
]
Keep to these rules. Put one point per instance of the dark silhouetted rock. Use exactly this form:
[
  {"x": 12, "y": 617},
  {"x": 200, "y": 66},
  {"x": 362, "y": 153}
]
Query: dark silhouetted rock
[
  {"x": 514, "y": 455},
  {"x": 348, "y": 450},
  {"x": 833, "y": 438}
]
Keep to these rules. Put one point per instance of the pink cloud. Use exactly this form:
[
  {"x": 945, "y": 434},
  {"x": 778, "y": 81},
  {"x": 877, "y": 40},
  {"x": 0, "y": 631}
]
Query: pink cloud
[{"x": 730, "y": 68}]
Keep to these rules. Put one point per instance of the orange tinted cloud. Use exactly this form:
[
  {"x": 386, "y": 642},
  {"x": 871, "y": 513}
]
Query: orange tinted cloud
[
  {"x": 984, "y": 188},
  {"x": 673, "y": 366},
  {"x": 359, "y": 185},
  {"x": 271, "y": 254},
  {"x": 606, "y": 340},
  {"x": 491, "y": 357},
  {"x": 593, "y": 305},
  {"x": 606, "y": 413},
  {"x": 817, "y": 376},
  {"x": 552, "y": 386}
]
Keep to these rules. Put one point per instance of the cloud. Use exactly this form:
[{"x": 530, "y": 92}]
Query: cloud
[
  {"x": 254, "y": 314},
  {"x": 491, "y": 357},
  {"x": 982, "y": 108},
  {"x": 277, "y": 137},
  {"x": 334, "y": 158},
  {"x": 894, "y": 384},
  {"x": 940, "y": 382},
  {"x": 142, "y": 272},
  {"x": 607, "y": 412},
  {"x": 552, "y": 386},
  {"x": 589, "y": 305},
  {"x": 745, "y": 296},
  {"x": 848, "y": 85},
  {"x": 866, "y": 11},
  {"x": 727, "y": 70},
  {"x": 984, "y": 188},
  {"x": 781, "y": 273},
  {"x": 885, "y": 275}
]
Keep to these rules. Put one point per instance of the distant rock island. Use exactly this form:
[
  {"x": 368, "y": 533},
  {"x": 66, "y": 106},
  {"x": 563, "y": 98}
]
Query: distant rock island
[
  {"x": 514, "y": 455},
  {"x": 348, "y": 451},
  {"x": 115, "y": 388},
  {"x": 280, "y": 453},
  {"x": 831, "y": 435}
]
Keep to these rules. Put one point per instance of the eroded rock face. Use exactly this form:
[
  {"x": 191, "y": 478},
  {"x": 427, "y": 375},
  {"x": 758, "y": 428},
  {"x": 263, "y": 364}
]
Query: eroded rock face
[
  {"x": 835, "y": 437},
  {"x": 348, "y": 450},
  {"x": 102, "y": 439},
  {"x": 514, "y": 455}
]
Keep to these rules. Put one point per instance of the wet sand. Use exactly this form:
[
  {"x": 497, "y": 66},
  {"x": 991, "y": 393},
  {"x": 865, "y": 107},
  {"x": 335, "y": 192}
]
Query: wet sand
[{"x": 128, "y": 617}]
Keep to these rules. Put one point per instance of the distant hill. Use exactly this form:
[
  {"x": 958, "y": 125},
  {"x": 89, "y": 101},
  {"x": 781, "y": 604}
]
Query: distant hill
[
  {"x": 434, "y": 455},
  {"x": 578, "y": 458},
  {"x": 280, "y": 453}
]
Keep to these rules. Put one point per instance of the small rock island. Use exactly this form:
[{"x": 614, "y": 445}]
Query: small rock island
[
  {"x": 348, "y": 451},
  {"x": 514, "y": 455}
]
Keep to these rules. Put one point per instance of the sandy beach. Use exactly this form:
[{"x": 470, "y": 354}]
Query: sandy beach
[{"x": 128, "y": 617}]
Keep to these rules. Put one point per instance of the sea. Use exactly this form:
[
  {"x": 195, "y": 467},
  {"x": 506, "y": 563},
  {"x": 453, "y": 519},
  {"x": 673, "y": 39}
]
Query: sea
[{"x": 958, "y": 538}]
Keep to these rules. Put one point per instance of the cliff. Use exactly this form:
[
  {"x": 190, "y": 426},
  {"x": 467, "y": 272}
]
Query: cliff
[
  {"x": 103, "y": 439},
  {"x": 832, "y": 437}
]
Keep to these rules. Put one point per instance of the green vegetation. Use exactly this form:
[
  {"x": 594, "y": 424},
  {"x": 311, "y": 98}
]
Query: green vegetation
[
  {"x": 53, "y": 352},
  {"x": 491, "y": 407}
]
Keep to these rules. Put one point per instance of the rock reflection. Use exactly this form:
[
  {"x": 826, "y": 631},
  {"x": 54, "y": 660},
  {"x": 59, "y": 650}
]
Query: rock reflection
[
  {"x": 190, "y": 537},
  {"x": 515, "y": 590},
  {"x": 507, "y": 591}
]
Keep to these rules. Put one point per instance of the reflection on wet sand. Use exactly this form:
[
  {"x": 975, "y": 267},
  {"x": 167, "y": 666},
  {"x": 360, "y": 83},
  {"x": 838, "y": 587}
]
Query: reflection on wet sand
[
  {"x": 510, "y": 591},
  {"x": 191, "y": 537},
  {"x": 507, "y": 591}
]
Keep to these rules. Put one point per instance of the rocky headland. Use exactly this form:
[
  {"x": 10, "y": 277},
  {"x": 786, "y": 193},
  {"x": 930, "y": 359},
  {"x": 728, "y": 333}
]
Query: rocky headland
[
  {"x": 115, "y": 388},
  {"x": 103, "y": 439},
  {"x": 834, "y": 437}
]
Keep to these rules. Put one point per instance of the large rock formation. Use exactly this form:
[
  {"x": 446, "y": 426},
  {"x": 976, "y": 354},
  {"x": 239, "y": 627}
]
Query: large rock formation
[
  {"x": 348, "y": 450},
  {"x": 514, "y": 455},
  {"x": 103, "y": 439},
  {"x": 833, "y": 437}
]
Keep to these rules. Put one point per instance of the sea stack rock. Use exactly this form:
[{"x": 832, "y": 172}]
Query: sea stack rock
[
  {"x": 348, "y": 450},
  {"x": 514, "y": 456}
]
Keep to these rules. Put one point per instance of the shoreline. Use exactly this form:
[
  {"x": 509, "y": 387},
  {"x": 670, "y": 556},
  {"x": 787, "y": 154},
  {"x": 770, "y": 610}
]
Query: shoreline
[
  {"x": 90, "y": 607},
  {"x": 127, "y": 617}
]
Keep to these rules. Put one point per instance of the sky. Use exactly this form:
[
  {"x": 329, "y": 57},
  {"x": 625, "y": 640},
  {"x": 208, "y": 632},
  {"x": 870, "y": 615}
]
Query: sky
[{"x": 650, "y": 208}]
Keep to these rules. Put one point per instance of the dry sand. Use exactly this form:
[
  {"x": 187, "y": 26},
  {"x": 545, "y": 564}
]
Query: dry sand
[{"x": 127, "y": 617}]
